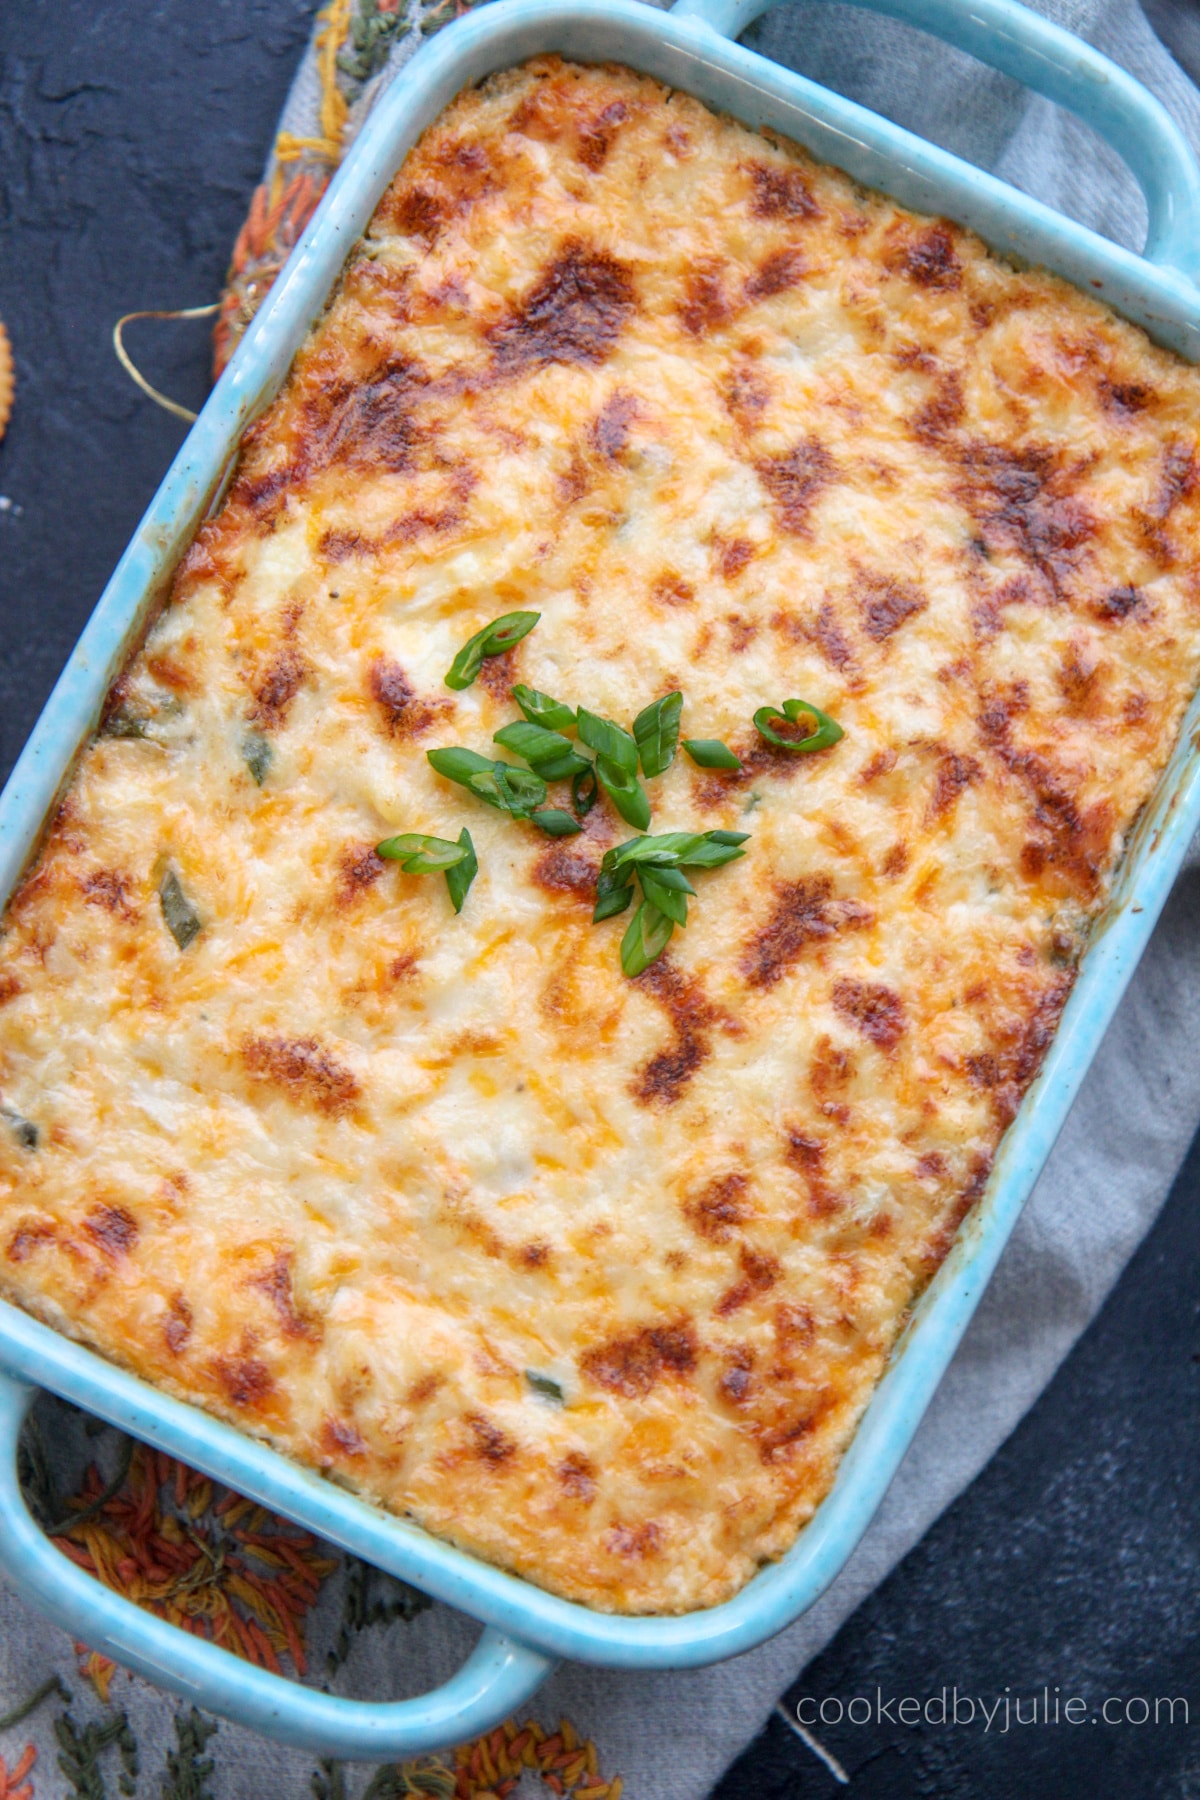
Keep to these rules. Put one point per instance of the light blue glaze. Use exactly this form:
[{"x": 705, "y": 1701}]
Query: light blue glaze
[{"x": 686, "y": 50}]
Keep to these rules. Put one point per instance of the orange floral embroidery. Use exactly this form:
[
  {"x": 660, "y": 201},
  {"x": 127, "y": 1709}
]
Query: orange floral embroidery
[
  {"x": 13, "y": 1783},
  {"x": 230, "y": 1572}
]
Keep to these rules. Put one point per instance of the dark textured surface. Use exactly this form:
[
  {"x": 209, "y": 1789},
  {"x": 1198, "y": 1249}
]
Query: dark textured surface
[
  {"x": 131, "y": 138},
  {"x": 130, "y": 141}
]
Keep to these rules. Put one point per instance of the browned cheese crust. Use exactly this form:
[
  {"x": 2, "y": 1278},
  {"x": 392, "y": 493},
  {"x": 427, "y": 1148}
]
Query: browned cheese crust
[{"x": 347, "y": 1169}]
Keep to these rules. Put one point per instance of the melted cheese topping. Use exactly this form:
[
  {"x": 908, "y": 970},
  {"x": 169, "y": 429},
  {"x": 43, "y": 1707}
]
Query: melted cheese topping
[{"x": 349, "y": 1169}]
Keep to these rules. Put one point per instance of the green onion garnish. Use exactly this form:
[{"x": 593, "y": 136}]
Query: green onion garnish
[
  {"x": 553, "y": 756},
  {"x": 546, "y": 1386},
  {"x": 257, "y": 755},
  {"x": 461, "y": 874},
  {"x": 625, "y": 791},
  {"x": 179, "y": 915},
  {"x": 493, "y": 640},
  {"x": 608, "y": 740},
  {"x": 656, "y": 733},
  {"x": 711, "y": 753},
  {"x": 667, "y": 889},
  {"x": 584, "y": 789},
  {"x": 555, "y": 822},
  {"x": 614, "y": 891},
  {"x": 418, "y": 854},
  {"x": 540, "y": 709},
  {"x": 646, "y": 937},
  {"x": 498, "y": 784},
  {"x": 827, "y": 733}
]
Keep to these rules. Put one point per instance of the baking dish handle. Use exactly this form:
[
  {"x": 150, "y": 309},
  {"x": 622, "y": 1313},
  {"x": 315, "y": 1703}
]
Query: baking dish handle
[
  {"x": 1053, "y": 62},
  {"x": 499, "y": 1675}
]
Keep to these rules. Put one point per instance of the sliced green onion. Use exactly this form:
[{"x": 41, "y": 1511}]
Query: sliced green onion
[
  {"x": 498, "y": 784},
  {"x": 608, "y": 740},
  {"x": 461, "y": 874},
  {"x": 546, "y": 1386},
  {"x": 711, "y": 855},
  {"x": 584, "y": 789},
  {"x": 493, "y": 640},
  {"x": 656, "y": 733},
  {"x": 646, "y": 937},
  {"x": 614, "y": 891},
  {"x": 457, "y": 764},
  {"x": 541, "y": 709},
  {"x": 553, "y": 756},
  {"x": 555, "y": 822},
  {"x": 663, "y": 894},
  {"x": 513, "y": 790},
  {"x": 257, "y": 755},
  {"x": 665, "y": 849},
  {"x": 711, "y": 753},
  {"x": 625, "y": 791},
  {"x": 24, "y": 1130},
  {"x": 419, "y": 854},
  {"x": 179, "y": 915},
  {"x": 828, "y": 730}
]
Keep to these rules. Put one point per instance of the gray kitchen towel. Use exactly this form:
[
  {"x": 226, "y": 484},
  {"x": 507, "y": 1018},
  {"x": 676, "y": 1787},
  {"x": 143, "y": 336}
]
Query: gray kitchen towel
[{"x": 671, "y": 1735}]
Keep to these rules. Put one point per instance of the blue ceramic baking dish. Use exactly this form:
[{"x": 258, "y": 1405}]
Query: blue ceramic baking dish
[{"x": 526, "y": 1630}]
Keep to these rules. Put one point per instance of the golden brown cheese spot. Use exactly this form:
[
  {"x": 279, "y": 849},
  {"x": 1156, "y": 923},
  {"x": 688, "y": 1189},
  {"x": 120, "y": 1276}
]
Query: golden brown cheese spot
[
  {"x": 1125, "y": 399},
  {"x": 246, "y": 1381},
  {"x": 943, "y": 412},
  {"x": 113, "y": 1230},
  {"x": 491, "y": 1445},
  {"x": 277, "y": 687},
  {"x": 795, "y": 480},
  {"x": 927, "y": 256},
  {"x": 573, "y": 313},
  {"x": 778, "y": 1444},
  {"x": 561, "y": 870},
  {"x": 642, "y": 1540},
  {"x": 806, "y": 1155},
  {"x": 746, "y": 393},
  {"x": 402, "y": 712},
  {"x": 29, "y": 1236},
  {"x": 1006, "y": 1071},
  {"x": 781, "y": 270},
  {"x": 177, "y": 1327},
  {"x": 339, "y": 1439},
  {"x": 736, "y": 1383},
  {"x": 577, "y": 1477},
  {"x": 359, "y": 869},
  {"x": 634, "y": 1364},
  {"x": 780, "y": 192},
  {"x": 759, "y": 1275},
  {"x": 110, "y": 888},
  {"x": 954, "y": 773},
  {"x": 1023, "y": 502},
  {"x": 10, "y": 987},
  {"x": 874, "y": 1009},
  {"x": 1120, "y": 602},
  {"x": 276, "y": 1284},
  {"x": 731, "y": 555},
  {"x": 804, "y": 913},
  {"x": 885, "y": 603},
  {"x": 609, "y": 432},
  {"x": 719, "y": 1208},
  {"x": 669, "y": 589},
  {"x": 662, "y": 1080},
  {"x": 302, "y": 1069},
  {"x": 419, "y": 212},
  {"x": 705, "y": 305},
  {"x": 598, "y": 134}
]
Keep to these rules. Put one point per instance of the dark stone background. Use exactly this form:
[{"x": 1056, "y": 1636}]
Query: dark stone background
[{"x": 131, "y": 137}]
